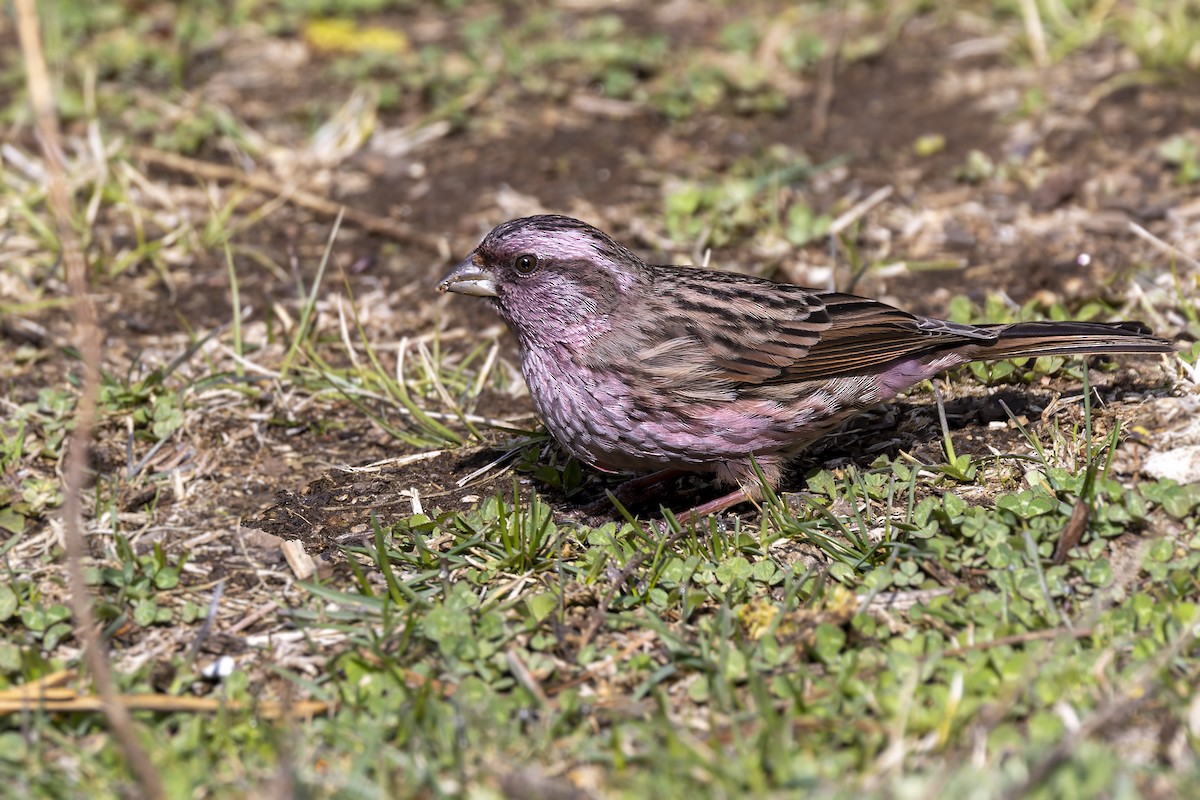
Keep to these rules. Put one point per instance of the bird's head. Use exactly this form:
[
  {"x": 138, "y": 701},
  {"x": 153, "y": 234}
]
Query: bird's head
[{"x": 549, "y": 275}]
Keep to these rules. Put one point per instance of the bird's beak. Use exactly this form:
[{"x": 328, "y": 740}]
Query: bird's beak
[{"x": 469, "y": 278}]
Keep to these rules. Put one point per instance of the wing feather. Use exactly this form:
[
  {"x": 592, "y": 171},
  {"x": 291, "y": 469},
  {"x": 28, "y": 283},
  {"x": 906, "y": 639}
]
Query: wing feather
[{"x": 721, "y": 332}]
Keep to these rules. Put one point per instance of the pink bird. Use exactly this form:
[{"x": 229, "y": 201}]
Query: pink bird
[{"x": 640, "y": 367}]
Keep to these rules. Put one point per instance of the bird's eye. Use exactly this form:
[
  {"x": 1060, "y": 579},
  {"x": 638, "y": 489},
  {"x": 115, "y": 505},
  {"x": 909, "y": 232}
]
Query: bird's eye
[{"x": 525, "y": 264}]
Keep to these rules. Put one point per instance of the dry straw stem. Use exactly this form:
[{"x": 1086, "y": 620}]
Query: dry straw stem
[
  {"x": 48, "y": 695},
  {"x": 88, "y": 338}
]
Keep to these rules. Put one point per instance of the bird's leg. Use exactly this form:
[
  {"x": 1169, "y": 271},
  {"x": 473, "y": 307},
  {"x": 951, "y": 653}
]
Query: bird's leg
[
  {"x": 635, "y": 486},
  {"x": 742, "y": 494},
  {"x": 634, "y": 490},
  {"x": 748, "y": 475}
]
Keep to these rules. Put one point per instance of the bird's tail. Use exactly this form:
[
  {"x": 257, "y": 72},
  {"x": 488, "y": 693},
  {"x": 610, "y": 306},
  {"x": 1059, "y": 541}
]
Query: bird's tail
[{"x": 1031, "y": 339}]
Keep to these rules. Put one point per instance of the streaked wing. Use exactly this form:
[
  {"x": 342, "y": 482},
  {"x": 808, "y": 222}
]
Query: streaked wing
[
  {"x": 717, "y": 327},
  {"x": 714, "y": 331},
  {"x": 865, "y": 334}
]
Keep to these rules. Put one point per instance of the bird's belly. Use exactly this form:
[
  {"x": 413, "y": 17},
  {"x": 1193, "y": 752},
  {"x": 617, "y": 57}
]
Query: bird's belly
[{"x": 605, "y": 420}]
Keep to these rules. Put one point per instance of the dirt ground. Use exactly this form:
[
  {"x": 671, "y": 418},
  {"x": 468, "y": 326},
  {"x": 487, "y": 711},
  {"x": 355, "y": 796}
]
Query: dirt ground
[{"x": 1075, "y": 159}]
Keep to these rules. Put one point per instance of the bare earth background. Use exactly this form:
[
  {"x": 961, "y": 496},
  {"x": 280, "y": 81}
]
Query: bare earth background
[{"x": 454, "y": 643}]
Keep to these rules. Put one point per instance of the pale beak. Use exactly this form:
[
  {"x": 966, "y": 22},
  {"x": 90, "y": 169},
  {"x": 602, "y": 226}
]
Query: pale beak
[{"x": 469, "y": 278}]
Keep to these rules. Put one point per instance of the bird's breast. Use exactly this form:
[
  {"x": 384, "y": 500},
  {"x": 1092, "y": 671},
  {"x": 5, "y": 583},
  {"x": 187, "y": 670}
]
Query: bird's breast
[{"x": 585, "y": 408}]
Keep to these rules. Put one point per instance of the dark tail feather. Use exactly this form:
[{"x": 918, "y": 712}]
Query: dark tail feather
[{"x": 1031, "y": 339}]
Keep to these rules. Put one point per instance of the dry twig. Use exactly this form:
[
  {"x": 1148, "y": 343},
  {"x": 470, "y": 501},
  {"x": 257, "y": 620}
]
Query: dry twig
[
  {"x": 301, "y": 197},
  {"x": 88, "y": 338}
]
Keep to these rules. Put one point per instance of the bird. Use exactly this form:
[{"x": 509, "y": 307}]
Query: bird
[{"x": 635, "y": 367}]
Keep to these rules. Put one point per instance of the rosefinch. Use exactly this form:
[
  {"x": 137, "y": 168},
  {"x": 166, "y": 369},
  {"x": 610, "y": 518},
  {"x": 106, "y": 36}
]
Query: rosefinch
[{"x": 640, "y": 367}]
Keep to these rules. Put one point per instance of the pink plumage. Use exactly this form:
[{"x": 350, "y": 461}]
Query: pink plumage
[{"x": 640, "y": 367}]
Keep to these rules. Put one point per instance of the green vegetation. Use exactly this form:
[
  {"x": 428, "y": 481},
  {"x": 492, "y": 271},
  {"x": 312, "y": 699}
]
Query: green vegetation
[{"x": 942, "y": 603}]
